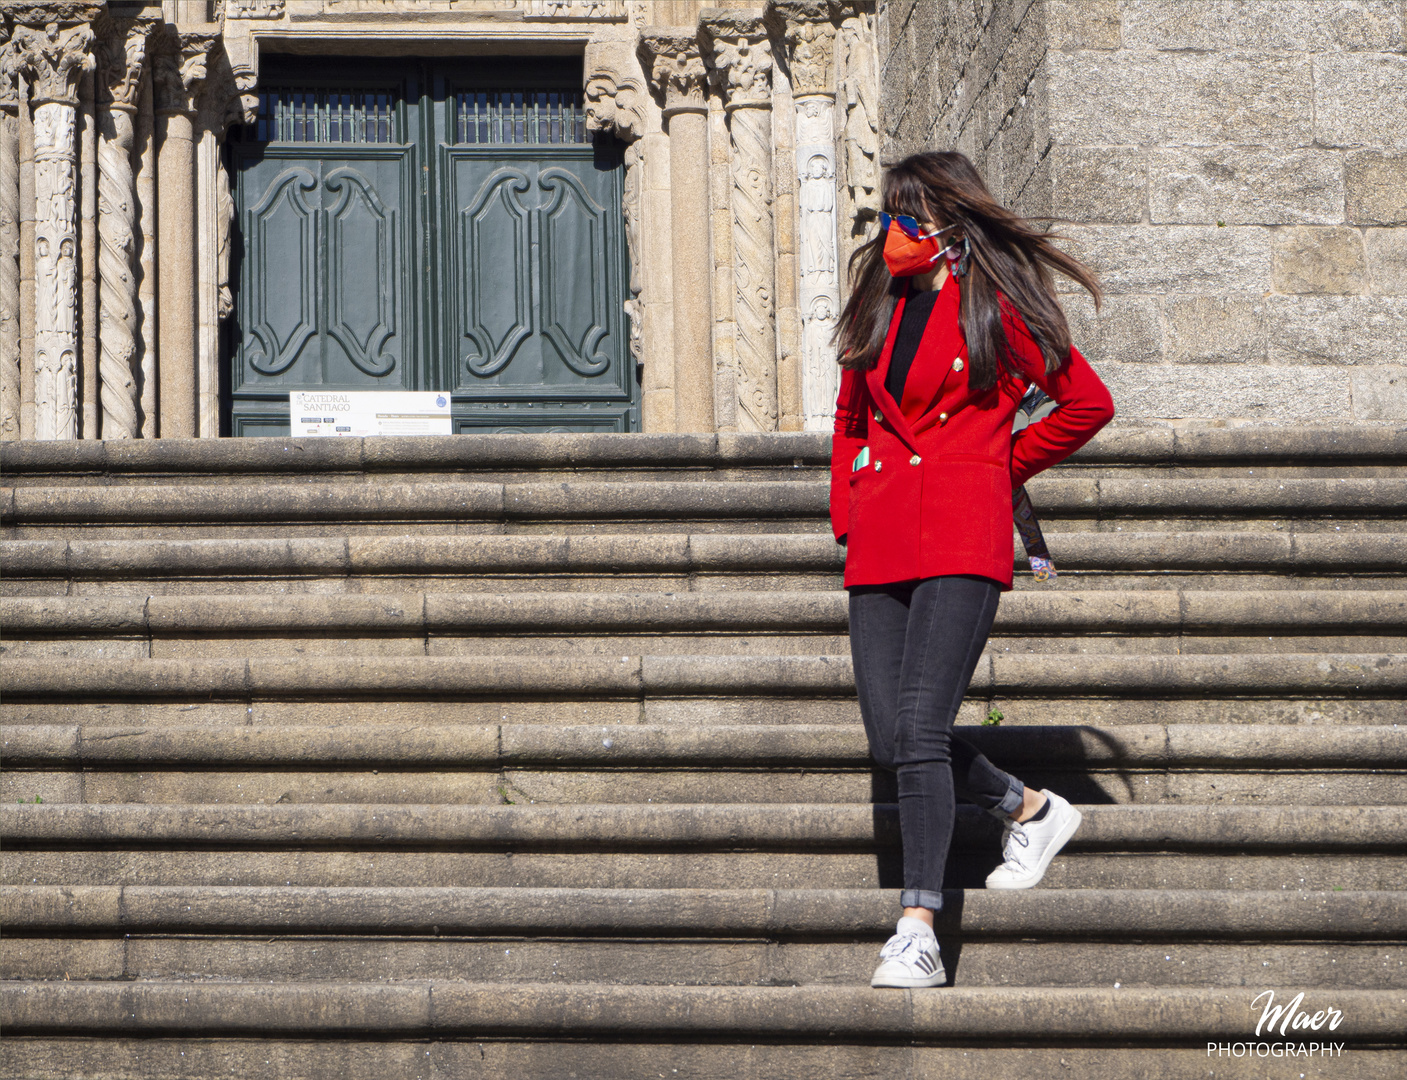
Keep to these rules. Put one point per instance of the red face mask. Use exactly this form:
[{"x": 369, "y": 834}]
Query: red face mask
[{"x": 908, "y": 250}]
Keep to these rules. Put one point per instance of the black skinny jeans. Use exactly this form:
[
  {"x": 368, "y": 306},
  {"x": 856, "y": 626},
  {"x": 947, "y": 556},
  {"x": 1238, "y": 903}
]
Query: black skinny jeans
[{"x": 915, "y": 645}]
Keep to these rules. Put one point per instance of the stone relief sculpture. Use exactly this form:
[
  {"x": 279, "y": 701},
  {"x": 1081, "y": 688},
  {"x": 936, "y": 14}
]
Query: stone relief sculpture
[
  {"x": 575, "y": 9},
  {"x": 249, "y": 9},
  {"x": 10, "y": 394},
  {"x": 861, "y": 119},
  {"x": 55, "y": 60},
  {"x": 615, "y": 103},
  {"x": 121, "y": 57},
  {"x": 743, "y": 62},
  {"x": 631, "y": 207},
  {"x": 817, "y": 204}
]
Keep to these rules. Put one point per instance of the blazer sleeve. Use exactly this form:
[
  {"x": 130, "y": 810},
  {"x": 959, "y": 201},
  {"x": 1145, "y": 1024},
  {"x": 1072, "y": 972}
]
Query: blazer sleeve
[
  {"x": 852, "y": 429},
  {"x": 1085, "y": 404}
]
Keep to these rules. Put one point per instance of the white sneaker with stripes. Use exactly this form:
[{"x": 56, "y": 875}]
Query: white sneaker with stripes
[
  {"x": 1028, "y": 847},
  {"x": 910, "y": 958}
]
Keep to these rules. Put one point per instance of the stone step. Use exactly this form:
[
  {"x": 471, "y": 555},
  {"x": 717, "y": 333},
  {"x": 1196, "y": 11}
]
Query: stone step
[
  {"x": 491, "y": 764},
  {"x": 670, "y": 828},
  {"x": 1121, "y": 444},
  {"x": 685, "y": 561},
  {"x": 455, "y": 1008},
  {"x": 737, "y": 623},
  {"x": 254, "y": 509},
  {"x": 747, "y": 1056},
  {"x": 642, "y": 677},
  {"x": 1091, "y": 937}
]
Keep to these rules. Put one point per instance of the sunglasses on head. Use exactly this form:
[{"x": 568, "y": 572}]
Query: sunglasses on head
[{"x": 909, "y": 226}]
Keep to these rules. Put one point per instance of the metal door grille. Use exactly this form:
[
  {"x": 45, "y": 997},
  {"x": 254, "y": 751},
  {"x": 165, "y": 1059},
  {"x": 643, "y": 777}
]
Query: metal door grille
[
  {"x": 326, "y": 116},
  {"x": 521, "y": 116}
]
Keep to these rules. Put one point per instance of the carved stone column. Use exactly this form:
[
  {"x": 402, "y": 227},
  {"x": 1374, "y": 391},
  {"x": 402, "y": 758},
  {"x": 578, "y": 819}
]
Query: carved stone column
[
  {"x": 677, "y": 71},
  {"x": 179, "y": 72},
  {"x": 742, "y": 57},
  {"x": 121, "y": 56},
  {"x": 55, "y": 59},
  {"x": 9, "y": 244},
  {"x": 810, "y": 39}
]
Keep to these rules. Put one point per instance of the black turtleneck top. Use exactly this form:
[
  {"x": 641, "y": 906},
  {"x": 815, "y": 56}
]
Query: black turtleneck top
[{"x": 911, "y": 326}]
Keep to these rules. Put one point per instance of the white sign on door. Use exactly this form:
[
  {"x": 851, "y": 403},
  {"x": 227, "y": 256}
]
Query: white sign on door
[{"x": 368, "y": 412}]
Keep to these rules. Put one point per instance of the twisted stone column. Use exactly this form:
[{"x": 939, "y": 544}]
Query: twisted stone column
[
  {"x": 811, "y": 54},
  {"x": 144, "y": 152},
  {"x": 9, "y": 245},
  {"x": 56, "y": 60},
  {"x": 742, "y": 57},
  {"x": 121, "y": 57},
  {"x": 677, "y": 71}
]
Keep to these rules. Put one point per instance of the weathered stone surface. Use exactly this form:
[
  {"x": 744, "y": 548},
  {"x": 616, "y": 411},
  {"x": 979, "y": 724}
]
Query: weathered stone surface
[
  {"x": 1350, "y": 92},
  {"x": 1245, "y": 187},
  {"x": 1174, "y": 258},
  {"x": 1098, "y": 183},
  {"x": 1230, "y": 391},
  {"x": 1083, "y": 24},
  {"x": 1376, "y": 185},
  {"x": 1295, "y": 25},
  {"x": 1223, "y": 329},
  {"x": 1350, "y": 330},
  {"x": 1324, "y": 260},
  {"x": 1126, "y": 329},
  {"x": 1380, "y": 393},
  {"x": 1203, "y": 98},
  {"x": 1387, "y": 260}
]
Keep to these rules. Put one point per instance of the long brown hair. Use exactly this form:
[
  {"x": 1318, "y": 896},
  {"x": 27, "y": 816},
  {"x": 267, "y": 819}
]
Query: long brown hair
[{"x": 1008, "y": 257}]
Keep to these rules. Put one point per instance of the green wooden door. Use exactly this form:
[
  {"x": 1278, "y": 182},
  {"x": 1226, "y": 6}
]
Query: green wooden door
[{"x": 431, "y": 226}]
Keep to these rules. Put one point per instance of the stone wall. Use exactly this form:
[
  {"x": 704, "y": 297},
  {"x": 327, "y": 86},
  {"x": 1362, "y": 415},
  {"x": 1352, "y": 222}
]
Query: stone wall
[{"x": 1235, "y": 171}]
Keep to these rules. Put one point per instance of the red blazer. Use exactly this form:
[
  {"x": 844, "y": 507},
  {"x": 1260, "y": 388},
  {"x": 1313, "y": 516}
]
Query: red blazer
[{"x": 935, "y": 497}]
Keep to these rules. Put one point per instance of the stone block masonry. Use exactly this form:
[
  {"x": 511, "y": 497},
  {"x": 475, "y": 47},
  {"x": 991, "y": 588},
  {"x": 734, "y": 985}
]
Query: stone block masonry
[{"x": 1236, "y": 172}]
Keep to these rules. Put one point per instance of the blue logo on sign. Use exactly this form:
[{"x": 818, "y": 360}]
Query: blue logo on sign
[{"x": 440, "y": 401}]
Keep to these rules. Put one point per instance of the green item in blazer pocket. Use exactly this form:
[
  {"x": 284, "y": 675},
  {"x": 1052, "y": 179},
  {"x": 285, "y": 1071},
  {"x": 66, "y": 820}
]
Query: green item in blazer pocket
[{"x": 861, "y": 460}]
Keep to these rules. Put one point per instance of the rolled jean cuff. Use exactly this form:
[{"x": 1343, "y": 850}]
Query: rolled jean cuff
[
  {"x": 1012, "y": 800},
  {"x": 933, "y": 901}
]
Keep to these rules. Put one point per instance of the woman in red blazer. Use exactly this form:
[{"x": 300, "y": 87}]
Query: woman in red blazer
[{"x": 953, "y": 314}]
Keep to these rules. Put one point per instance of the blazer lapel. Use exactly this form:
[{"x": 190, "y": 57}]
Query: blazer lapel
[
  {"x": 932, "y": 369},
  {"x": 874, "y": 379}
]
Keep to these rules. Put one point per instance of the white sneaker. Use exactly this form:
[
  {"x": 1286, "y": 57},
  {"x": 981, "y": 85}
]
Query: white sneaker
[
  {"x": 909, "y": 958},
  {"x": 1028, "y": 847}
]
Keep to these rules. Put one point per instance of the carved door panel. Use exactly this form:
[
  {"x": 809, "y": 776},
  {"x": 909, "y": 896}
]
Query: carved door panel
[
  {"x": 531, "y": 314},
  {"x": 533, "y": 269},
  {"x": 326, "y": 208}
]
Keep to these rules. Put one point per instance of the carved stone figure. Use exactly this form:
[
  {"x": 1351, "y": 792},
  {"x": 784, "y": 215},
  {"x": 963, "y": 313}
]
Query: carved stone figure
[
  {"x": 861, "y": 124},
  {"x": 820, "y": 382},
  {"x": 817, "y": 202},
  {"x": 811, "y": 57},
  {"x": 615, "y": 103},
  {"x": 179, "y": 70},
  {"x": 676, "y": 67}
]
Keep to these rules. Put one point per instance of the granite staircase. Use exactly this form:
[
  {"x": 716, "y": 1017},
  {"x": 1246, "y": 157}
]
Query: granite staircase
[{"x": 538, "y": 756}]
